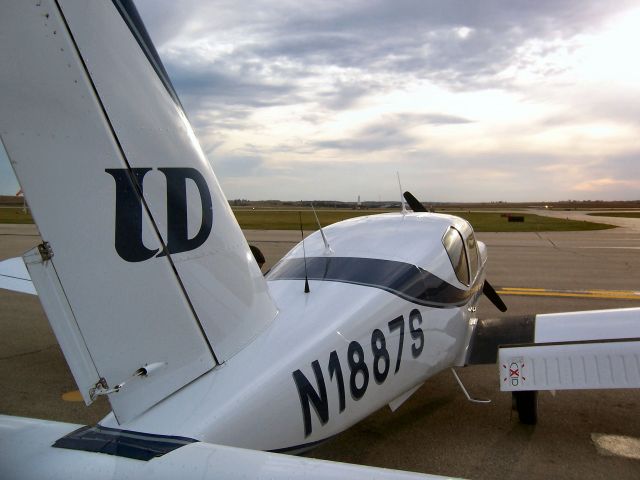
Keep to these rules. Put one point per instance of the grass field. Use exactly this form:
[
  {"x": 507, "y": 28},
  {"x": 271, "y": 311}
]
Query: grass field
[
  {"x": 615, "y": 214},
  {"x": 14, "y": 215},
  {"x": 481, "y": 221},
  {"x": 494, "y": 222},
  {"x": 270, "y": 219}
]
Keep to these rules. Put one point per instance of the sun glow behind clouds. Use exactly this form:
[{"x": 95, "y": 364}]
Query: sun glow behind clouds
[
  {"x": 613, "y": 53},
  {"x": 464, "y": 32},
  {"x": 603, "y": 183}
]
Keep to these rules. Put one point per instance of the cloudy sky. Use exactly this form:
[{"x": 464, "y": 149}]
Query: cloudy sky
[{"x": 469, "y": 101}]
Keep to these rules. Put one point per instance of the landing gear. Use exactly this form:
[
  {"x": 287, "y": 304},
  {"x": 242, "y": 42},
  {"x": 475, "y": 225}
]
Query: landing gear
[{"x": 526, "y": 404}]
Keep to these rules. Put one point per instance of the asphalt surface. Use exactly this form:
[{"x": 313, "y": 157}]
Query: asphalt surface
[{"x": 437, "y": 430}]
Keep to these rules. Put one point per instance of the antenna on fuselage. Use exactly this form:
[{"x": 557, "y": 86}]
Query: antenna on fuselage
[
  {"x": 304, "y": 254},
  {"x": 327, "y": 247},
  {"x": 404, "y": 205}
]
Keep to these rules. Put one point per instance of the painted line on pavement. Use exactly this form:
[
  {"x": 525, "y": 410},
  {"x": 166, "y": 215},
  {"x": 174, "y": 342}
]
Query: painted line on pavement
[{"x": 546, "y": 292}]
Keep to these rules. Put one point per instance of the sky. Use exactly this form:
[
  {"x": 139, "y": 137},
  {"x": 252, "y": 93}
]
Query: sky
[{"x": 468, "y": 100}]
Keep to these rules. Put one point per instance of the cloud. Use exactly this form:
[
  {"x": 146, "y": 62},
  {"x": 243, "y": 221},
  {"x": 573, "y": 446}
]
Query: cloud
[
  {"x": 604, "y": 184},
  {"x": 225, "y": 85},
  {"x": 469, "y": 100},
  {"x": 391, "y": 132},
  {"x": 442, "y": 119},
  {"x": 375, "y": 137},
  {"x": 413, "y": 36},
  {"x": 260, "y": 55},
  {"x": 491, "y": 97},
  {"x": 241, "y": 52},
  {"x": 239, "y": 166},
  {"x": 343, "y": 95}
]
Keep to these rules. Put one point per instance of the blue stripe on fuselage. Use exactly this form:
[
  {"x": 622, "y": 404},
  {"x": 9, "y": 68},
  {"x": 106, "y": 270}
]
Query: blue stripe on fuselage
[{"x": 405, "y": 280}]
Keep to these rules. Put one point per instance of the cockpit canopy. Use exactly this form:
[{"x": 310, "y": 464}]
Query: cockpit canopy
[{"x": 465, "y": 261}]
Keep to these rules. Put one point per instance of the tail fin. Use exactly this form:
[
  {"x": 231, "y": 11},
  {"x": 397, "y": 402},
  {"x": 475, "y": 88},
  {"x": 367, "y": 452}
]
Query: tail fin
[{"x": 146, "y": 264}]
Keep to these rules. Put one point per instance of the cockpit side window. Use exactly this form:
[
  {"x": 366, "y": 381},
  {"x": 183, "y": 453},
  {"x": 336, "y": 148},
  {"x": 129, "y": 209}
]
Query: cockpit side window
[
  {"x": 472, "y": 251},
  {"x": 454, "y": 246}
]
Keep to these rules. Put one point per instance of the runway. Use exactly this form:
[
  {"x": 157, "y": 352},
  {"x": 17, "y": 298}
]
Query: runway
[{"x": 437, "y": 430}]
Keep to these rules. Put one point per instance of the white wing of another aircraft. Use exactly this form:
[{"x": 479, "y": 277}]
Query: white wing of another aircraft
[
  {"x": 14, "y": 276},
  {"x": 159, "y": 305}
]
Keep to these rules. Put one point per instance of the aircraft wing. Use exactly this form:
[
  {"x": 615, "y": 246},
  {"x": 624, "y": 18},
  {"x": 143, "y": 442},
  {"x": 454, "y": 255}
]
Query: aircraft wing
[
  {"x": 154, "y": 456},
  {"x": 14, "y": 276},
  {"x": 576, "y": 350}
]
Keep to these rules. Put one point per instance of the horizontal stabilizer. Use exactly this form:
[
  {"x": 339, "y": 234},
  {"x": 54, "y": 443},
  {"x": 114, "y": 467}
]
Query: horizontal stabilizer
[
  {"x": 576, "y": 350},
  {"x": 562, "y": 351},
  {"x": 571, "y": 366},
  {"x": 489, "y": 334},
  {"x": 23, "y": 440},
  {"x": 15, "y": 277}
]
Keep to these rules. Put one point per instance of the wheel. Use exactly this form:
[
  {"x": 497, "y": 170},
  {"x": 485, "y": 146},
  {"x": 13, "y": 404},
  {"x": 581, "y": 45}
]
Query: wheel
[{"x": 526, "y": 404}]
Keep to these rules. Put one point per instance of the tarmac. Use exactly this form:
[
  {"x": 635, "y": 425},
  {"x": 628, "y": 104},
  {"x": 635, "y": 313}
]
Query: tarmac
[{"x": 580, "y": 434}]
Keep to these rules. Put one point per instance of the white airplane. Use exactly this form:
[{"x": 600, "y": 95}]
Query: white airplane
[{"x": 158, "y": 303}]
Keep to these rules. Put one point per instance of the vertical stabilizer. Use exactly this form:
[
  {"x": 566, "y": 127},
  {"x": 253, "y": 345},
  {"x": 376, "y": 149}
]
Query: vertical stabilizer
[{"x": 148, "y": 265}]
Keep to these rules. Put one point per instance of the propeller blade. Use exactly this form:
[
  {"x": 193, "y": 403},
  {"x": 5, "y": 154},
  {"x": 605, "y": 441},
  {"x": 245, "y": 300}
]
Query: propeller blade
[
  {"x": 493, "y": 296},
  {"x": 257, "y": 254},
  {"x": 413, "y": 202}
]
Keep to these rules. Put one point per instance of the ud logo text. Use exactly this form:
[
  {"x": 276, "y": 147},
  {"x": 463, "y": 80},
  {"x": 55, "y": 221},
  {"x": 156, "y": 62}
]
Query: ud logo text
[{"x": 129, "y": 212}]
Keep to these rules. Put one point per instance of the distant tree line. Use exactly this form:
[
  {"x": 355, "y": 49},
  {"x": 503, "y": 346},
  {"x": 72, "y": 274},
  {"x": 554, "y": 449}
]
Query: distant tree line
[{"x": 564, "y": 204}]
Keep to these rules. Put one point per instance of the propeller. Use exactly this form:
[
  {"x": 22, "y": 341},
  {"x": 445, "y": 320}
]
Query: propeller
[
  {"x": 257, "y": 254},
  {"x": 413, "y": 202},
  {"x": 493, "y": 296}
]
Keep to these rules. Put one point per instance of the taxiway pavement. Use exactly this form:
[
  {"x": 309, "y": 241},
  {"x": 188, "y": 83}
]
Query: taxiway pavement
[{"x": 437, "y": 430}]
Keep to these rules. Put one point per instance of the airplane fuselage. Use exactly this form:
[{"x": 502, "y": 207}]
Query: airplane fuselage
[
  {"x": 369, "y": 330},
  {"x": 149, "y": 284}
]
